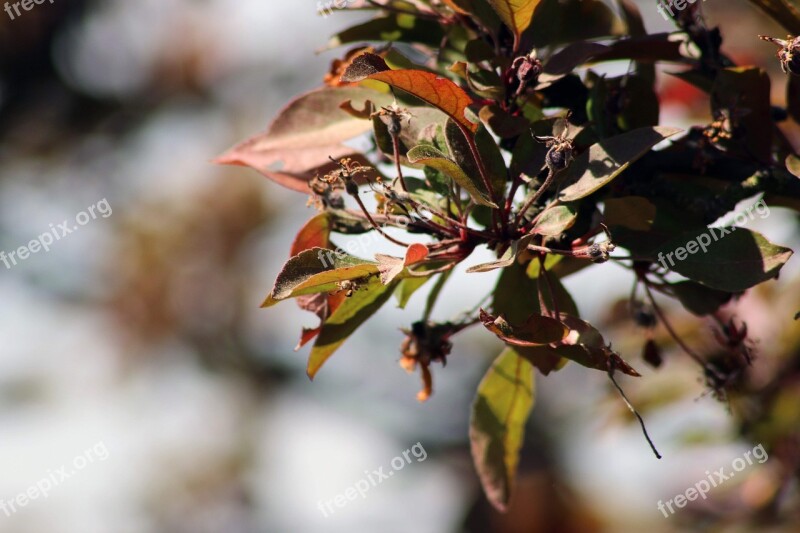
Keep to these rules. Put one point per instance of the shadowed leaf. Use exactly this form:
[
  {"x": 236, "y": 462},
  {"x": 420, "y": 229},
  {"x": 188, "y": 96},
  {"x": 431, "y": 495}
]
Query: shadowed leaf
[{"x": 733, "y": 259}]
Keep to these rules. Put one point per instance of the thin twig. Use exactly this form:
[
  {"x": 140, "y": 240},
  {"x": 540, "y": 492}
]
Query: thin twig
[{"x": 633, "y": 410}]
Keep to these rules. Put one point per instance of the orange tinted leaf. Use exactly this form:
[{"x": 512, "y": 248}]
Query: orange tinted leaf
[
  {"x": 438, "y": 92},
  {"x": 315, "y": 234},
  {"x": 516, "y": 14}
]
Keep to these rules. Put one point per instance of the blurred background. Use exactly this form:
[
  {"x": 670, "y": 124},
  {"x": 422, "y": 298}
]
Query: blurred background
[{"x": 140, "y": 333}]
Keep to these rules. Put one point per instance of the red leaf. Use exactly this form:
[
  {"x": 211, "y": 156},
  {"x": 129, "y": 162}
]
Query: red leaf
[{"x": 303, "y": 136}]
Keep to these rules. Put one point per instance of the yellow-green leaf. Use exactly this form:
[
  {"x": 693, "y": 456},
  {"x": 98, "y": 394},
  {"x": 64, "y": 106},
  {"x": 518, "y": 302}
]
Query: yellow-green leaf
[
  {"x": 318, "y": 270},
  {"x": 354, "y": 311},
  {"x": 516, "y": 14},
  {"x": 497, "y": 426}
]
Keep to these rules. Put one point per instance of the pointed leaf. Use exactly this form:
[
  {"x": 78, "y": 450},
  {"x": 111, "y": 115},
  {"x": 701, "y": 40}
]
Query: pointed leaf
[
  {"x": 516, "y": 14},
  {"x": 303, "y": 135},
  {"x": 429, "y": 156},
  {"x": 506, "y": 260},
  {"x": 437, "y": 91},
  {"x": 355, "y": 310},
  {"x": 535, "y": 331},
  {"x": 733, "y": 260},
  {"x": 501, "y": 409},
  {"x": 607, "y": 159},
  {"x": 318, "y": 270}
]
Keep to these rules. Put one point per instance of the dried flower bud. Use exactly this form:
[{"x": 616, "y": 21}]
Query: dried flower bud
[
  {"x": 424, "y": 344},
  {"x": 559, "y": 156}
]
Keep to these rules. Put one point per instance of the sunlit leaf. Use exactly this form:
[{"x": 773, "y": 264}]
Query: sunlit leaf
[
  {"x": 502, "y": 406},
  {"x": 437, "y": 91},
  {"x": 507, "y": 259},
  {"x": 318, "y": 270},
  {"x": 353, "y": 312},
  {"x": 516, "y": 14},
  {"x": 607, "y": 159},
  {"x": 303, "y": 136},
  {"x": 793, "y": 165},
  {"x": 429, "y": 156}
]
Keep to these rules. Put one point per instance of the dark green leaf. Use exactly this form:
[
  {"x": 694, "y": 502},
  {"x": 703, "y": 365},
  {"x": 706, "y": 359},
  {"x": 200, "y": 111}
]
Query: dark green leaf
[
  {"x": 731, "y": 262},
  {"x": 607, "y": 159},
  {"x": 700, "y": 299}
]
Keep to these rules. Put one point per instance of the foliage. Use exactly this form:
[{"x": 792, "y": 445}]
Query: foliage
[{"x": 496, "y": 131}]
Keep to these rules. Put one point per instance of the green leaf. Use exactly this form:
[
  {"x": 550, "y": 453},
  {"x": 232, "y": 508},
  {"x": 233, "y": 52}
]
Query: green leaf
[
  {"x": 501, "y": 409},
  {"x": 392, "y": 28},
  {"x": 406, "y": 289},
  {"x": 555, "y": 22},
  {"x": 607, "y": 159},
  {"x": 489, "y": 152},
  {"x": 555, "y": 220},
  {"x": 318, "y": 270},
  {"x": 700, "y": 299},
  {"x": 506, "y": 260},
  {"x": 353, "y": 312},
  {"x": 427, "y": 155},
  {"x": 731, "y": 262}
]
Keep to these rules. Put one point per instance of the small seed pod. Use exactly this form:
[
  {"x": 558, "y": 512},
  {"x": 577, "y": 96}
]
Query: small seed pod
[
  {"x": 789, "y": 54},
  {"x": 559, "y": 156},
  {"x": 600, "y": 252},
  {"x": 652, "y": 354}
]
